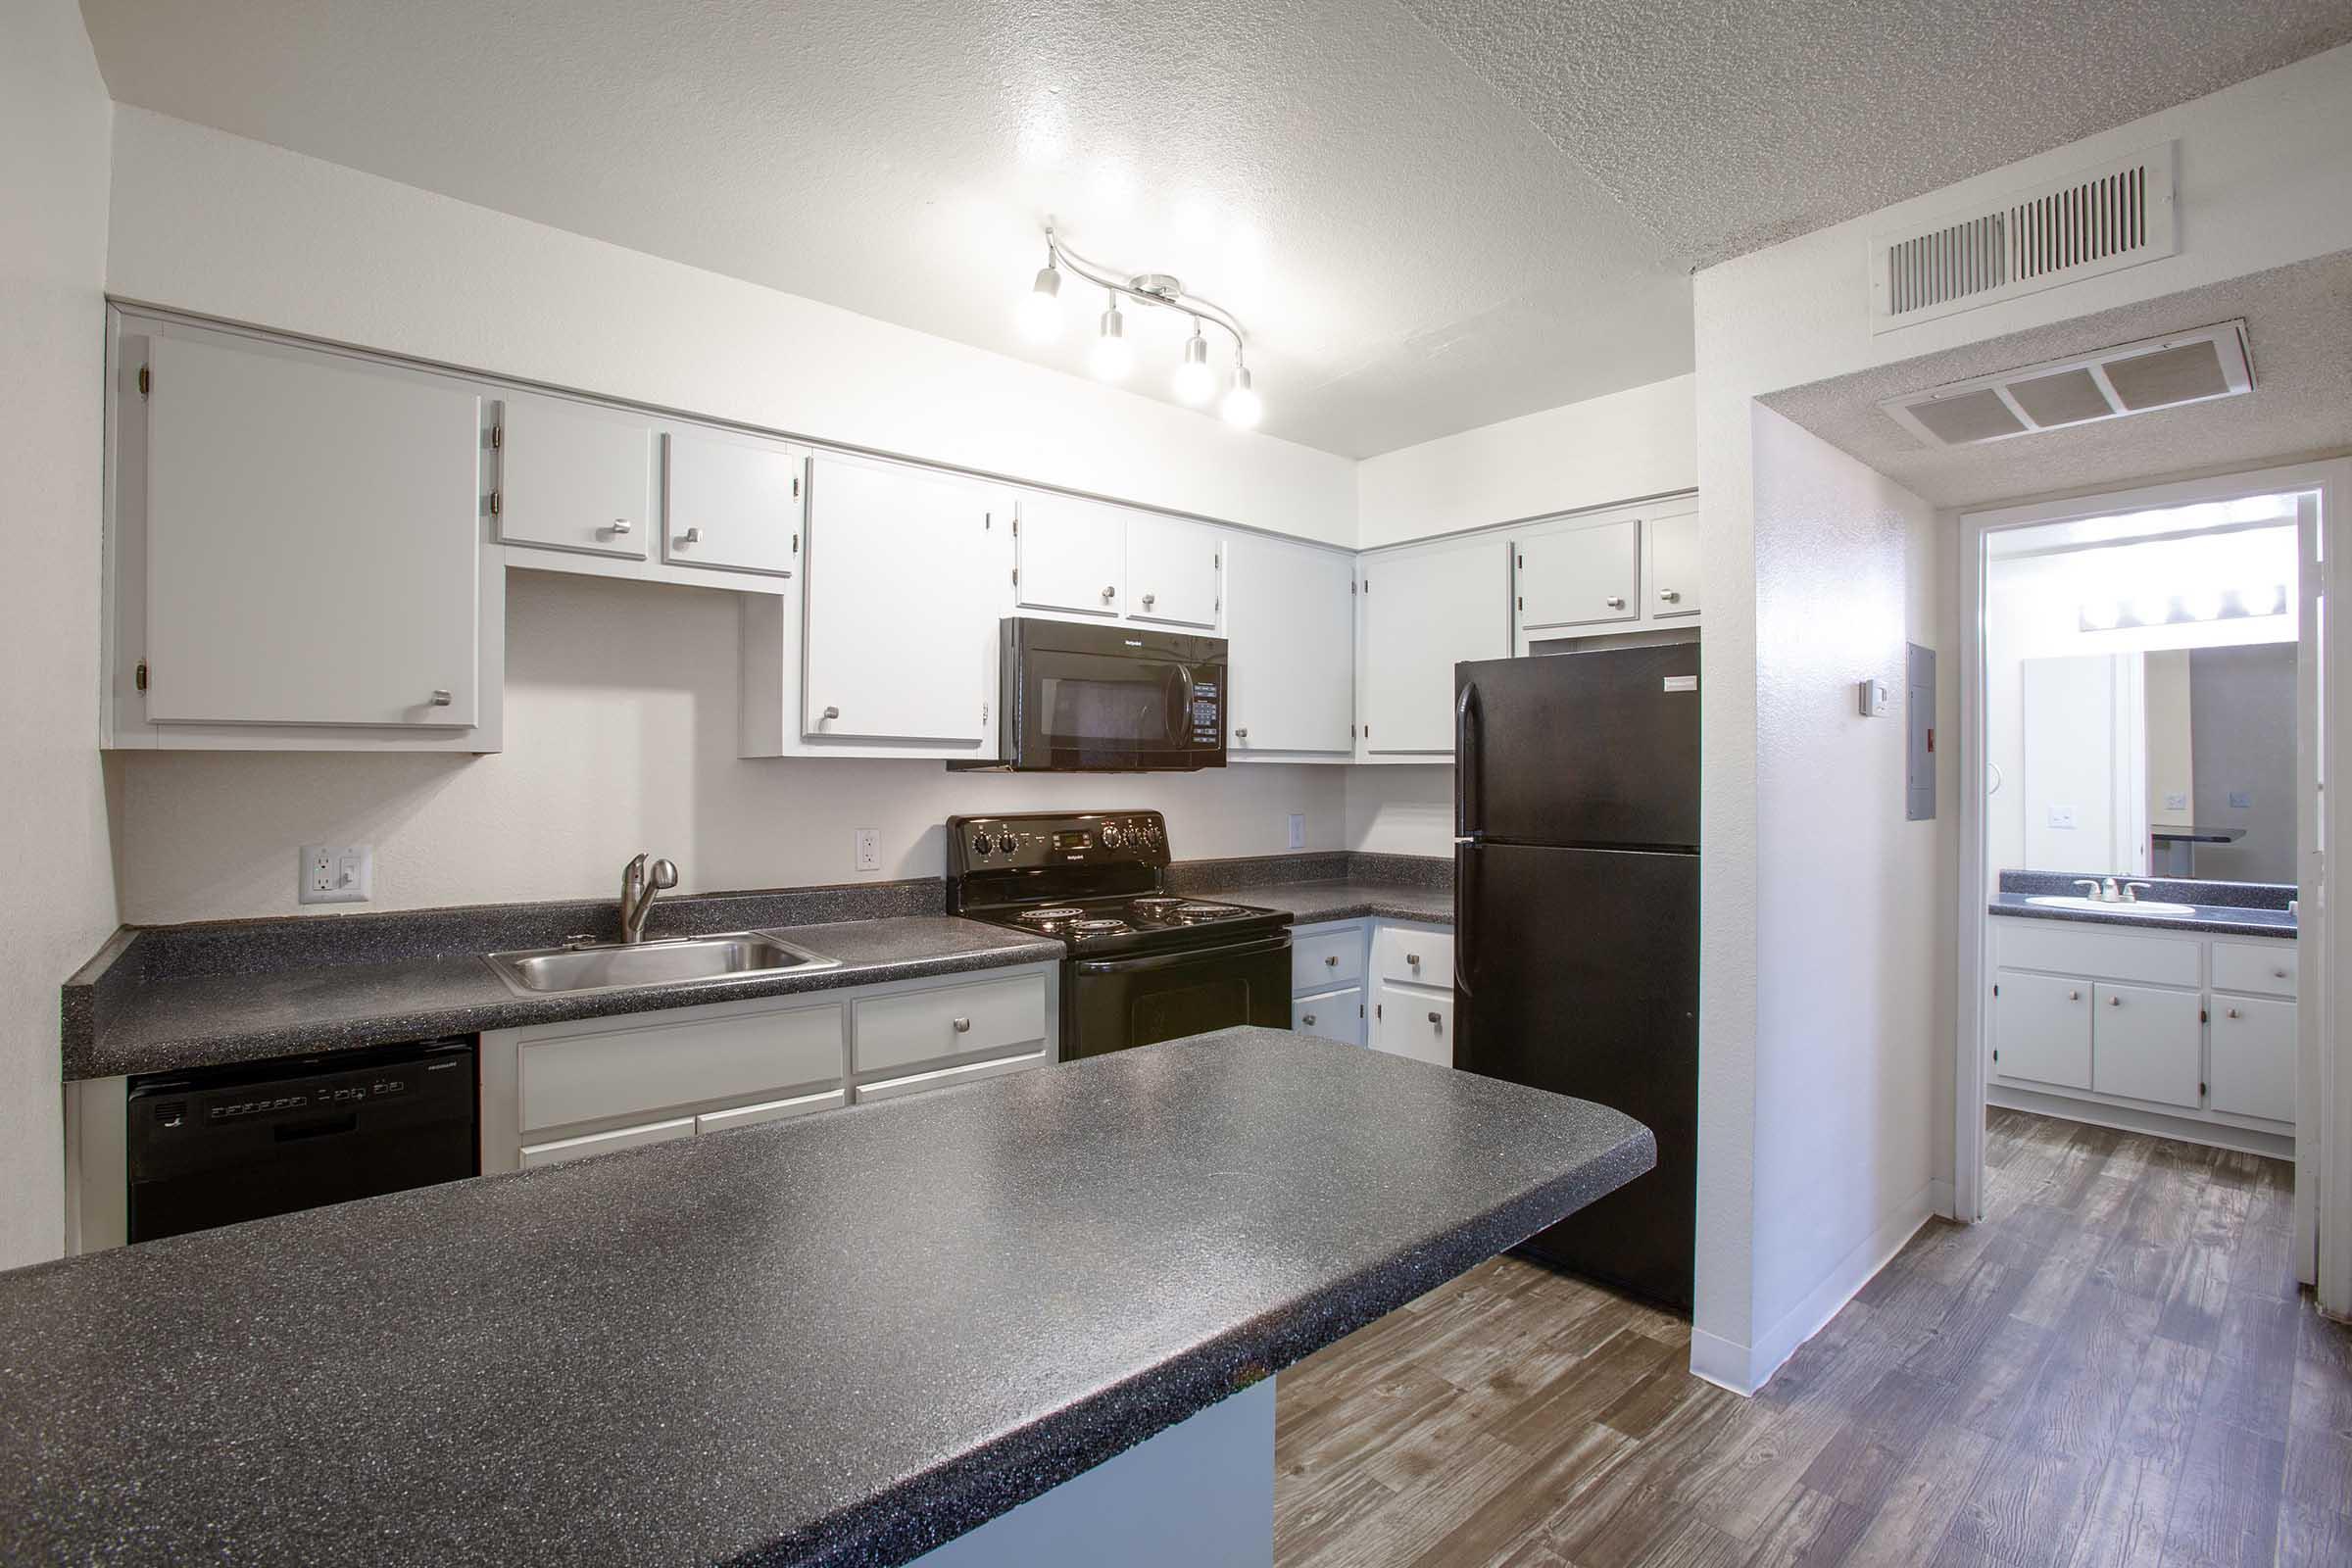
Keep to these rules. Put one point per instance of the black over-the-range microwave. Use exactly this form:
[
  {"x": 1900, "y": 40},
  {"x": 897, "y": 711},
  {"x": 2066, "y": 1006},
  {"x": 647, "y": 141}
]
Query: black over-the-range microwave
[{"x": 1077, "y": 698}]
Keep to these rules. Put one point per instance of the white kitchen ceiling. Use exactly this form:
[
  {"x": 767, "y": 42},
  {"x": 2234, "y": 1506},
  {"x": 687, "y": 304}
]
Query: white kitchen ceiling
[{"x": 1412, "y": 256}]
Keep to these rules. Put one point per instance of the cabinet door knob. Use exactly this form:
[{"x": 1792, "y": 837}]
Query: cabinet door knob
[
  {"x": 963, "y": 1026},
  {"x": 1110, "y": 593},
  {"x": 1308, "y": 1019},
  {"x": 440, "y": 697},
  {"x": 2073, "y": 996},
  {"x": 2277, "y": 974},
  {"x": 1616, "y": 602},
  {"x": 1331, "y": 961},
  {"x": 2232, "y": 1013},
  {"x": 1434, "y": 1019},
  {"x": 2115, "y": 1002},
  {"x": 691, "y": 536},
  {"x": 832, "y": 713},
  {"x": 1413, "y": 958},
  {"x": 1240, "y": 734},
  {"x": 1149, "y": 599},
  {"x": 1670, "y": 596},
  {"x": 617, "y": 527}
]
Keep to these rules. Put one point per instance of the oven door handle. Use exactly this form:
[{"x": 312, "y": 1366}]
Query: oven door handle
[{"x": 1171, "y": 961}]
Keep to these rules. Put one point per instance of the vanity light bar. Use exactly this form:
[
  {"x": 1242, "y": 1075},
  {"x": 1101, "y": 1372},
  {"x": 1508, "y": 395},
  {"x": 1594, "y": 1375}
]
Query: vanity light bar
[{"x": 2169, "y": 610}]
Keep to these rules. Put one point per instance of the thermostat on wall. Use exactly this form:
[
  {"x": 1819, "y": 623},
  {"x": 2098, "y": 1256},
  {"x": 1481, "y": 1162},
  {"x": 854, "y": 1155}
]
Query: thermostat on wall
[{"x": 1874, "y": 698}]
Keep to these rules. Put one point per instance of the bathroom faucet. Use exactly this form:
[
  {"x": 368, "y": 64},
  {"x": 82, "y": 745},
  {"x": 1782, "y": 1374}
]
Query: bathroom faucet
[{"x": 640, "y": 885}]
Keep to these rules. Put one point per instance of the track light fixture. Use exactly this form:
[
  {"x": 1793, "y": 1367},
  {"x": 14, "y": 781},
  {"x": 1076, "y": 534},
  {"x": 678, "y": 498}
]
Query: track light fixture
[{"x": 1111, "y": 357}]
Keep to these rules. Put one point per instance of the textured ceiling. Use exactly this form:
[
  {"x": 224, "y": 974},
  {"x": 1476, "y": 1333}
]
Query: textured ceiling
[
  {"x": 1733, "y": 125},
  {"x": 1411, "y": 254},
  {"x": 2298, "y": 319}
]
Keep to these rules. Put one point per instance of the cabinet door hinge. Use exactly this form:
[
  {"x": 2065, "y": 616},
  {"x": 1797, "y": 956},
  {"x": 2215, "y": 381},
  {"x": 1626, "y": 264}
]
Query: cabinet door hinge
[
  {"x": 1376, "y": 1009},
  {"x": 796, "y": 487},
  {"x": 1016, "y": 577},
  {"x": 2204, "y": 1016},
  {"x": 1360, "y": 1009},
  {"x": 1996, "y": 989},
  {"x": 1996, "y": 1052},
  {"x": 146, "y": 380},
  {"x": 796, "y": 544},
  {"x": 1523, "y": 602},
  {"x": 988, "y": 521},
  {"x": 138, "y": 677},
  {"x": 498, "y": 436},
  {"x": 1520, "y": 561},
  {"x": 1217, "y": 559},
  {"x": 494, "y": 503},
  {"x": 2200, "y": 1089},
  {"x": 1016, "y": 528}
]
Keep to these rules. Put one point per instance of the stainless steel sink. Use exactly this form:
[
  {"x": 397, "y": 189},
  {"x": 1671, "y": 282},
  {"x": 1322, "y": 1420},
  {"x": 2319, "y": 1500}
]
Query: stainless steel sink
[
  {"x": 2056, "y": 901},
  {"x": 677, "y": 961}
]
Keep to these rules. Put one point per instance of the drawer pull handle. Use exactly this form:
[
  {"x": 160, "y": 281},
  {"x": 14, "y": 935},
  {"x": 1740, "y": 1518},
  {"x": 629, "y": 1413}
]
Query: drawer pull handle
[
  {"x": 2073, "y": 996},
  {"x": 963, "y": 1026},
  {"x": 2232, "y": 1013},
  {"x": 1616, "y": 602},
  {"x": 2277, "y": 974},
  {"x": 1331, "y": 961},
  {"x": 1309, "y": 1020},
  {"x": 2115, "y": 1002},
  {"x": 1439, "y": 1022},
  {"x": 1413, "y": 958}
]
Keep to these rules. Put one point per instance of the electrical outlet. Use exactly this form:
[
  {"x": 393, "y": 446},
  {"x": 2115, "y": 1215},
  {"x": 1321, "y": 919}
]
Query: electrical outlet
[
  {"x": 865, "y": 844},
  {"x": 1297, "y": 830},
  {"x": 335, "y": 873},
  {"x": 2062, "y": 816},
  {"x": 2241, "y": 799},
  {"x": 2176, "y": 800}
]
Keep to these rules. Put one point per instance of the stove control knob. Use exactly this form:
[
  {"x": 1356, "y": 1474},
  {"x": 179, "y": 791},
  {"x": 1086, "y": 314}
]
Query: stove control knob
[
  {"x": 1112, "y": 837},
  {"x": 979, "y": 844},
  {"x": 1005, "y": 842}
]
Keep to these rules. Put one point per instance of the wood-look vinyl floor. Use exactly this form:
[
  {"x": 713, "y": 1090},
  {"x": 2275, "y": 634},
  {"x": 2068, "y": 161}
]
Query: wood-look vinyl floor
[{"x": 2114, "y": 1370}]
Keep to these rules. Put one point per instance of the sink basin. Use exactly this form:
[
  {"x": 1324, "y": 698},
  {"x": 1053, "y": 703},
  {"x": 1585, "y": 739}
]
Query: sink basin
[
  {"x": 678, "y": 961},
  {"x": 2102, "y": 907}
]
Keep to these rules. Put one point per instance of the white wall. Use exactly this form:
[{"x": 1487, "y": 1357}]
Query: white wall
[
  {"x": 1401, "y": 810},
  {"x": 2266, "y": 180},
  {"x": 621, "y": 736},
  {"x": 1853, "y": 906},
  {"x": 1639, "y": 442},
  {"x": 221, "y": 225},
  {"x": 54, "y": 130}
]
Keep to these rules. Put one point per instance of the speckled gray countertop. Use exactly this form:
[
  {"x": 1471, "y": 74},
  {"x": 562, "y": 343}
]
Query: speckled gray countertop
[
  {"x": 164, "y": 1026},
  {"x": 1311, "y": 901},
  {"x": 836, "y": 1340},
  {"x": 2210, "y": 919}
]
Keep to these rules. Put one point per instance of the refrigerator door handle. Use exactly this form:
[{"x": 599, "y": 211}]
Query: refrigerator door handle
[
  {"x": 1465, "y": 900},
  {"x": 1465, "y": 759}
]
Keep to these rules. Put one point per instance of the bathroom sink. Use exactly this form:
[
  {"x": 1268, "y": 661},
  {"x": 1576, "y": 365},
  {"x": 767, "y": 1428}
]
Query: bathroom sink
[
  {"x": 2103, "y": 907},
  {"x": 678, "y": 961}
]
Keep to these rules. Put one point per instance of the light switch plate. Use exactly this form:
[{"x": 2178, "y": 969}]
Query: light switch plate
[
  {"x": 865, "y": 844},
  {"x": 1873, "y": 696},
  {"x": 335, "y": 873},
  {"x": 1297, "y": 830}
]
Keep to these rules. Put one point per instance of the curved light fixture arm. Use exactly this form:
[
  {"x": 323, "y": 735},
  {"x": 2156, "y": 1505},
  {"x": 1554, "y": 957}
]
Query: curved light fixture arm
[{"x": 1191, "y": 304}]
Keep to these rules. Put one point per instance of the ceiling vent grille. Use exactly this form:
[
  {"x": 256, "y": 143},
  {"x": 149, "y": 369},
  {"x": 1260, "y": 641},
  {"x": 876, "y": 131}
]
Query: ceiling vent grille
[
  {"x": 2092, "y": 222},
  {"x": 2159, "y": 372}
]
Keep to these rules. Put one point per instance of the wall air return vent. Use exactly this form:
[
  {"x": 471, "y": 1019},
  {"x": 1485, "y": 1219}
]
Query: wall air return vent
[
  {"x": 2159, "y": 372},
  {"x": 2094, "y": 221}
]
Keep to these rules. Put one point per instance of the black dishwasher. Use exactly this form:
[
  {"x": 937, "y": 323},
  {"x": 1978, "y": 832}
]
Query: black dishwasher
[{"x": 221, "y": 1144}]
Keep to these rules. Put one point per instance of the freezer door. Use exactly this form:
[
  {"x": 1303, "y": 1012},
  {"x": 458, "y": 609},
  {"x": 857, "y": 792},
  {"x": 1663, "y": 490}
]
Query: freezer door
[
  {"x": 1577, "y": 971},
  {"x": 1597, "y": 748}
]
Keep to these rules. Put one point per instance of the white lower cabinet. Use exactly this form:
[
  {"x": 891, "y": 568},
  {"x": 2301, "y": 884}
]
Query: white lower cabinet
[
  {"x": 2254, "y": 1058},
  {"x": 564, "y": 1091},
  {"x": 2147, "y": 1044},
  {"x": 1326, "y": 980},
  {"x": 1331, "y": 1016},
  {"x": 1412, "y": 991},
  {"x": 2162, "y": 1031}
]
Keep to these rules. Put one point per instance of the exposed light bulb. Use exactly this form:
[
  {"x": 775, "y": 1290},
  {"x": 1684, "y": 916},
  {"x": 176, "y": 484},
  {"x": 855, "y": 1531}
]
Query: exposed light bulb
[
  {"x": 1039, "y": 315},
  {"x": 1241, "y": 407},
  {"x": 2151, "y": 610},
  {"x": 2260, "y": 600},
  {"x": 2202, "y": 604},
  {"x": 1111, "y": 359},
  {"x": 1196, "y": 383}
]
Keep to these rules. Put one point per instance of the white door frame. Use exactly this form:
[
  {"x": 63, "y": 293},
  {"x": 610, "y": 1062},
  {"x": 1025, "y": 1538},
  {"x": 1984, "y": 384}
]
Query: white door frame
[{"x": 2324, "y": 1076}]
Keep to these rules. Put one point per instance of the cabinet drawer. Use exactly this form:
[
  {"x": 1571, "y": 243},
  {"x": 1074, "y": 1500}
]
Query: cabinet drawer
[
  {"x": 2076, "y": 950},
  {"x": 620, "y": 1071},
  {"x": 2254, "y": 1058},
  {"x": 1416, "y": 957},
  {"x": 1331, "y": 1016},
  {"x": 561, "y": 1150},
  {"x": 948, "y": 1077},
  {"x": 2243, "y": 966},
  {"x": 1411, "y": 1022},
  {"x": 2041, "y": 1029},
  {"x": 719, "y": 1121},
  {"x": 2147, "y": 1044},
  {"x": 1326, "y": 958},
  {"x": 988, "y": 1018}
]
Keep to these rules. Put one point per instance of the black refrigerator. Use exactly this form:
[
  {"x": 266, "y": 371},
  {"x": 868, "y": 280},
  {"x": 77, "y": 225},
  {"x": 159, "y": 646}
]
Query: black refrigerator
[{"x": 1576, "y": 922}]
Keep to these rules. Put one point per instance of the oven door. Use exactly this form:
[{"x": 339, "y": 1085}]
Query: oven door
[
  {"x": 1112, "y": 699},
  {"x": 1112, "y": 1004}
]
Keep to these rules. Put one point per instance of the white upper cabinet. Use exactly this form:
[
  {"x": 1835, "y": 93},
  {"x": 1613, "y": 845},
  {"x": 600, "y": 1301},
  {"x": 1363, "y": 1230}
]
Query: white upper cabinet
[
  {"x": 1673, "y": 574},
  {"x": 908, "y": 578},
  {"x": 1424, "y": 610},
  {"x": 1172, "y": 572},
  {"x": 1290, "y": 625},
  {"x": 734, "y": 503},
  {"x": 312, "y": 535},
  {"x": 1578, "y": 577},
  {"x": 574, "y": 477},
  {"x": 1072, "y": 556}
]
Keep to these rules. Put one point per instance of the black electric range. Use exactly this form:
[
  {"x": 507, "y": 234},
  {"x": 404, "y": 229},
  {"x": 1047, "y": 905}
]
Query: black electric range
[{"x": 1142, "y": 963}]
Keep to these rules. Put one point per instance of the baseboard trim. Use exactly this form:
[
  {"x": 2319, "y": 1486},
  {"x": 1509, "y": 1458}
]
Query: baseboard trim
[
  {"x": 2131, "y": 1119},
  {"x": 1744, "y": 1369},
  {"x": 1943, "y": 1199}
]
